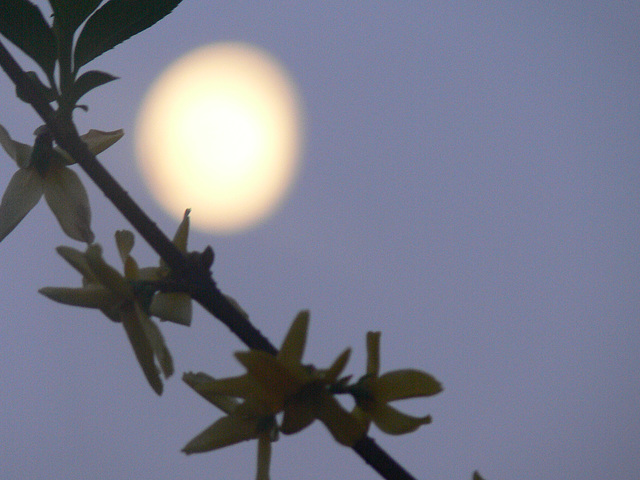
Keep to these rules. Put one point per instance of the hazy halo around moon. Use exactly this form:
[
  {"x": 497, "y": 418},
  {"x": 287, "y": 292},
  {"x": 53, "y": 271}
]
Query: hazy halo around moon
[{"x": 219, "y": 132}]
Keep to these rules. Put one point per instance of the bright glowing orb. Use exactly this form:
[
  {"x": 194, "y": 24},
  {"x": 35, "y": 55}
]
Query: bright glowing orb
[{"x": 219, "y": 132}]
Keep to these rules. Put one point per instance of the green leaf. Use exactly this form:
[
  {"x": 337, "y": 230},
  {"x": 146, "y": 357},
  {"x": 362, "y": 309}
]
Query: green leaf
[
  {"x": 115, "y": 22},
  {"x": 87, "y": 82},
  {"x": 23, "y": 24},
  {"x": 48, "y": 93},
  {"x": 69, "y": 14}
]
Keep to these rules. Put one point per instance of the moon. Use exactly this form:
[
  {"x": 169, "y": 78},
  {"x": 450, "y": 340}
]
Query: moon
[{"x": 219, "y": 132}]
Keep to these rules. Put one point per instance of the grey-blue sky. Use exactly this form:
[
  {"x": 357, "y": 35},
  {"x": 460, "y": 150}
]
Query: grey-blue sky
[{"x": 470, "y": 186}]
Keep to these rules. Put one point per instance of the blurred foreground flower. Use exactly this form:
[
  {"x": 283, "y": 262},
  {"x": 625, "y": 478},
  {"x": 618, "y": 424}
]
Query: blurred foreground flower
[
  {"x": 43, "y": 170},
  {"x": 373, "y": 392},
  {"x": 120, "y": 299}
]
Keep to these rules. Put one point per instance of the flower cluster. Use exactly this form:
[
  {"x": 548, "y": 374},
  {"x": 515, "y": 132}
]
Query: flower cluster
[
  {"x": 44, "y": 170},
  {"x": 129, "y": 298},
  {"x": 282, "y": 384}
]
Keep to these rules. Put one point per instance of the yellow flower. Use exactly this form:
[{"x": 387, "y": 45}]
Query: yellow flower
[
  {"x": 301, "y": 391},
  {"x": 251, "y": 419},
  {"x": 44, "y": 171},
  {"x": 114, "y": 294},
  {"x": 373, "y": 392},
  {"x": 170, "y": 306}
]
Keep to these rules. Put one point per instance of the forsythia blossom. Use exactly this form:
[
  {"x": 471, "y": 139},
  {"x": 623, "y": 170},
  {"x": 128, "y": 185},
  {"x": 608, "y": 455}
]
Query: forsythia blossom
[
  {"x": 274, "y": 384},
  {"x": 43, "y": 170},
  {"x": 251, "y": 419},
  {"x": 119, "y": 298},
  {"x": 301, "y": 391},
  {"x": 373, "y": 392}
]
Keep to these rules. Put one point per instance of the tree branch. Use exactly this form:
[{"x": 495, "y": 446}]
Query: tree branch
[{"x": 197, "y": 276}]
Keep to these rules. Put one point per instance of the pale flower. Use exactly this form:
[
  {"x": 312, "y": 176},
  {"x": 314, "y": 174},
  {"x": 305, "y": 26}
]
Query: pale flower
[
  {"x": 373, "y": 392},
  {"x": 171, "y": 306},
  {"x": 114, "y": 294},
  {"x": 43, "y": 170}
]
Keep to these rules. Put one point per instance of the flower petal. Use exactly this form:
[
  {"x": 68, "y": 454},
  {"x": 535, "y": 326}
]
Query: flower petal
[
  {"x": 344, "y": 427},
  {"x": 201, "y": 383},
  {"x": 172, "y": 307},
  {"x": 124, "y": 242},
  {"x": 182, "y": 234},
  {"x": 276, "y": 380},
  {"x": 244, "y": 387},
  {"x": 337, "y": 367},
  {"x": 19, "y": 152},
  {"x": 69, "y": 202},
  {"x": 88, "y": 297},
  {"x": 373, "y": 353},
  {"x": 156, "y": 340},
  {"x": 97, "y": 141},
  {"x": 106, "y": 274},
  {"x": 362, "y": 416},
  {"x": 141, "y": 347},
  {"x": 399, "y": 384},
  {"x": 77, "y": 260},
  {"x": 393, "y": 422},
  {"x": 226, "y": 431},
  {"x": 23, "y": 192},
  {"x": 293, "y": 345},
  {"x": 298, "y": 414}
]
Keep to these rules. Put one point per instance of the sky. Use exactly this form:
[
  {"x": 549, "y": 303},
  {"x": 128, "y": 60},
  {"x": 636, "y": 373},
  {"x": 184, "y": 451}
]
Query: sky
[{"x": 469, "y": 186}]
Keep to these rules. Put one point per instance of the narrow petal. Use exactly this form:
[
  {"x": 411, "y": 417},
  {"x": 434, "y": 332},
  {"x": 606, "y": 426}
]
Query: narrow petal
[
  {"x": 264, "y": 457},
  {"x": 77, "y": 260},
  {"x": 182, "y": 234},
  {"x": 69, "y": 202},
  {"x": 96, "y": 140},
  {"x": 156, "y": 340},
  {"x": 337, "y": 367},
  {"x": 23, "y": 192},
  {"x": 244, "y": 387},
  {"x": 226, "y": 431},
  {"x": 96, "y": 297},
  {"x": 298, "y": 414},
  {"x": 7, "y": 143},
  {"x": 173, "y": 307},
  {"x": 373, "y": 353},
  {"x": 294, "y": 343},
  {"x": 201, "y": 383},
  {"x": 278, "y": 381},
  {"x": 131, "y": 270},
  {"x": 124, "y": 242},
  {"x": 344, "y": 427},
  {"x": 106, "y": 274},
  {"x": 141, "y": 347},
  {"x": 362, "y": 416},
  {"x": 393, "y": 422},
  {"x": 400, "y": 384},
  {"x": 19, "y": 152},
  {"x": 152, "y": 273}
]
